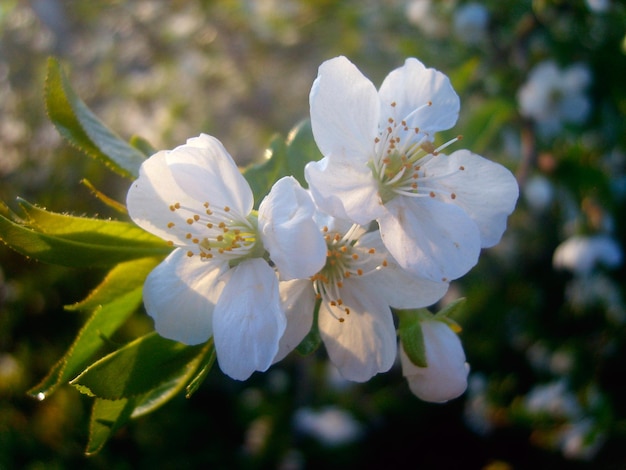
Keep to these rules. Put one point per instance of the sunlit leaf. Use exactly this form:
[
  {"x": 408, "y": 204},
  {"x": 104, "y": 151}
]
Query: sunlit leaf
[
  {"x": 106, "y": 200},
  {"x": 76, "y": 123},
  {"x": 76, "y": 241},
  {"x": 137, "y": 368},
  {"x": 122, "y": 279},
  {"x": 114, "y": 300}
]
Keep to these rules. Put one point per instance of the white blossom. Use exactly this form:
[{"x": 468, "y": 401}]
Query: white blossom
[
  {"x": 217, "y": 282},
  {"x": 435, "y": 211},
  {"x": 445, "y": 376},
  {"x": 552, "y": 96}
]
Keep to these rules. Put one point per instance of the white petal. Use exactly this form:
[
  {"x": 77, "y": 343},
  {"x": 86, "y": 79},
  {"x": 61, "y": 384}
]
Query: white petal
[
  {"x": 344, "y": 191},
  {"x": 150, "y": 196},
  {"x": 209, "y": 174},
  {"x": 180, "y": 295},
  {"x": 396, "y": 285},
  {"x": 485, "y": 190},
  {"x": 344, "y": 111},
  {"x": 445, "y": 377},
  {"x": 364, "y": 344},
  {"x": 413, "y": 86},
  {"x": 290, "y": 235},
  {"x": 248, "y": 320},
  {"x": 298, "y": 301},
  {"x": 430, "y": 238}
]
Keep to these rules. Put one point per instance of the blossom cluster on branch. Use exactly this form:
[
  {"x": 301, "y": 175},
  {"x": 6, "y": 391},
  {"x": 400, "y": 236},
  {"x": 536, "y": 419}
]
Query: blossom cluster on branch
[{"x": 387, "y": 222}]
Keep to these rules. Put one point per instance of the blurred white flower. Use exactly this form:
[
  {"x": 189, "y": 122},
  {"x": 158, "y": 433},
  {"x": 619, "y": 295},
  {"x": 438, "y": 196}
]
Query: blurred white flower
[
  {"x": 552, "y": 97},
  {"x": 427, "y": 16},
  {"x": 598, "y": 6},
  {"x": 445, "y": 376},
  {"x": 470, "y": 23},
  {"x": 582, "y": 254},
  {"x": 554, "y": 399},
  {"x": 538, "y": 192},
  {"x": 581, "y": 440},
  {"x": 331, "y": 425},
  {"x": 597, "y": 290}
]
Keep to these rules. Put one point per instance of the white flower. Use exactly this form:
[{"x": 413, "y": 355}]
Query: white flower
[
  {"x": 445, "y": 376},
  {"x": 582, "y": 254},
  {"x": 435, "y": 211},
  {"x": 356, "y": 287},
  {"x": 470, "y": 23},
  {"x": 552, "y": 96},
  {"x": 331, "y": 426},
  {"x": 216, "y": 282}
]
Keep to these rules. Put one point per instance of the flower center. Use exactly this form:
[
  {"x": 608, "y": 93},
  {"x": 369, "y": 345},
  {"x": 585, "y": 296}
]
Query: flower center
[
  {"x": 218, "y": 232},
  {"x": 345, "y": 259},
  {"x": 400, "y": 153}
]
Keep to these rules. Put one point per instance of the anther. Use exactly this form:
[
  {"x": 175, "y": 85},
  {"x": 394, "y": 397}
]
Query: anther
[
  {"x": 453, "y": 196},
  {"x": 190, "y": 221},
  {"x": 170, "y": 224},
  {"x": 431, "y": 194}
]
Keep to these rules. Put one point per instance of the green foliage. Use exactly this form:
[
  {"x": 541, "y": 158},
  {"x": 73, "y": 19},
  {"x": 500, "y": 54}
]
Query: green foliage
[
  {"x": 283, "y": 158},
  {"x": 82, "y": 128},
  {"x": 75, "y": 241}
]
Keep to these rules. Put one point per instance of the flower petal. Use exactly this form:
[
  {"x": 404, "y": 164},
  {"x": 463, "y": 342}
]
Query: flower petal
[
  {"x": 364, "y": 344},
  {"x": 485, "y": 190},
  {"x": 207, "y": 172},
  {"x": 445, "y": 377},
  {"x": 180, "y": 295},
  {"x": 344, "y": 111},
  {"x": 290, "y": 235},
  {"x": 412, "y": 87},
  {"x": 344, "y": 191},
  {"x": 396, "y": 285},
  {"x": 298, "y": 301},
  {"x": 430, "y": 238},
  {"x": 248, "y": 320},
  {"x": 149, "y": 199}
]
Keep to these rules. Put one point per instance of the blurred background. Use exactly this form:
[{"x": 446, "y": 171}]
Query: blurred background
[{"x": 543, "y": 91}]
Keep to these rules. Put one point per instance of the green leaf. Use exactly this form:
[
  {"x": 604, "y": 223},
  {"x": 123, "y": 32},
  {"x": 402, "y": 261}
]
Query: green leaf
[
  {"x": 203, "y": 369},
  {"x": 142, "y": 145},
  {"x": 76, "y": 123},
  {"x": 453, "y": 308},
  {"x": 114, "y": 300},
  {"x": 412, "y": 336},
  {"x": 121, "y": 280},
  {"x": 283, "y": 158},
  {"x": 137, "y": 368},
  {"x": 76, "y": 241},
  {"x": 107, "y": 416},
  {"x": 106, "y": 200}
]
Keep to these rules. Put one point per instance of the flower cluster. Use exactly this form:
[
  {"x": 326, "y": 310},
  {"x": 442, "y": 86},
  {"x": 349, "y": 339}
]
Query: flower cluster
[{"x": 387, "y": 222}]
